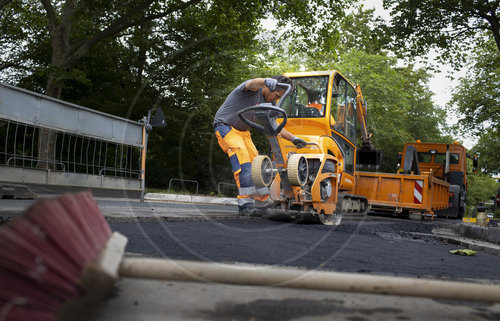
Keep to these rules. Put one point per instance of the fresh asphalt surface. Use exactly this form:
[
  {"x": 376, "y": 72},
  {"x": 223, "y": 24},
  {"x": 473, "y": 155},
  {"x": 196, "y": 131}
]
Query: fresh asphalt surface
[
  {"x": 372, "y": 244},
  {"x": 375, "y": 245}
]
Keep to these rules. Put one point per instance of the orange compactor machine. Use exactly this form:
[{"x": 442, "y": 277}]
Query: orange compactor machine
[{"x": 318, "y": 181}]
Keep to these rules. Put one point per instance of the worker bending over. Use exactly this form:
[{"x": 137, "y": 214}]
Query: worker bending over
[{"x": 234, "y": 138}]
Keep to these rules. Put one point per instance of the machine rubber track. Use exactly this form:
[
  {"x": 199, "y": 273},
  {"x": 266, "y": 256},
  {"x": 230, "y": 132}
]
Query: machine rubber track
[
  {"x": 352, "y": 205},
  {"x": 347, "y": 205}
]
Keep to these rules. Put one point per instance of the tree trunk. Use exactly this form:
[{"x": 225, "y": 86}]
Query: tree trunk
[
  {"x": 47, "y": 138},
  {"x": 46, "y": 149},
  {"x": 52, "y": 90},
  {"x": 495, "y": 27},
  {"x": 59, "y": 43}
]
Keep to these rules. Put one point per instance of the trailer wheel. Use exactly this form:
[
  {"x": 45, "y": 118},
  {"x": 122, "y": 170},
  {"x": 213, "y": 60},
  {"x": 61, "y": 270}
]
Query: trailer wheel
[
  {"x": 298, "y": 170},
  {"x": 262, "y": 171}
]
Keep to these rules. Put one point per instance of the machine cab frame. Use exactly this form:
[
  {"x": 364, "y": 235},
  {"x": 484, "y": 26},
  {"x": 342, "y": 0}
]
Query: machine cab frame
[{"x": 323, "y": 108}]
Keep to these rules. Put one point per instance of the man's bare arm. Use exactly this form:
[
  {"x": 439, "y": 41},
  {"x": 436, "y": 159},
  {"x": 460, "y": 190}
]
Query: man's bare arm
[
  {"x": 286, "y": 134},
  {"x": 255, "y": 84},
  {"x": 297, "y": 141}
]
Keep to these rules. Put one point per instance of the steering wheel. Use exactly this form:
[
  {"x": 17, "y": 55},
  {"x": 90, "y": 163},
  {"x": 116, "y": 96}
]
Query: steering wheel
[{"x": 266, "y": 113}]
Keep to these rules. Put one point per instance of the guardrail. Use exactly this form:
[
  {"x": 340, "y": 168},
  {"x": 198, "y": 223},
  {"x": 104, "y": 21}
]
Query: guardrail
[
  {"x": 49, "y": 141},
  {"x": 23, "y": 158},
  {"x": 227, "y": 184},
  {"x": 182, "y": 180}
]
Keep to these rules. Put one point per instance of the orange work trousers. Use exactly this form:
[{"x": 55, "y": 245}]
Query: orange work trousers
[{"x": 238, "y": 145}]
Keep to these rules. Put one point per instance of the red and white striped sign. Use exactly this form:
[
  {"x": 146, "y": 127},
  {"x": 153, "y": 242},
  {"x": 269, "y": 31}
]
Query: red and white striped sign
[{"x": 417, "y": 192}]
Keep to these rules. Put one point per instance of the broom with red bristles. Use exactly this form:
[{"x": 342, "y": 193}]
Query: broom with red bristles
[
  {"x": 45, "y": 258},
  {"x": 60, "y": 260}
]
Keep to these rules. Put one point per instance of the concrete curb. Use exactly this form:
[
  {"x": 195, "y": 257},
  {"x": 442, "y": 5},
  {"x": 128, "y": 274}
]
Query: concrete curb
[
  {"x": 191, "y": 199},
  {"x": 489, "y": 234},
  {"x": 453, "y": 236}
]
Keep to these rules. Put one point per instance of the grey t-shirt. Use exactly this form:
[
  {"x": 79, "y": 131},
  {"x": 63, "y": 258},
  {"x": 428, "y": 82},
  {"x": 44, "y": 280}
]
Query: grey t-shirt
[{"x": 237, "y": 100}]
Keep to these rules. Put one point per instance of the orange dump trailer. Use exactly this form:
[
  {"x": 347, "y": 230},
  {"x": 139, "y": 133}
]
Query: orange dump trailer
[{"x": 403, "y": 193}]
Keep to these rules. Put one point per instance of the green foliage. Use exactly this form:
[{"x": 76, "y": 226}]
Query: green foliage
[
  {"x": 400, "y": 103},
  {"x": 477, "y": 101},
  {"x": 363, "y": 31},
  {"x": 451, "y": 27},
  {"x": 400, "y": 106},
  {"x": 125, "y": 58},
  {"x": 477, "y": 97},
  {"x": 480, "y": 188},
  {"x": 487, "y": 148},
  {"x": 76, "y": 29},
  {"x": 189, "y": 60},
  {"x": 23, "y": 41}
]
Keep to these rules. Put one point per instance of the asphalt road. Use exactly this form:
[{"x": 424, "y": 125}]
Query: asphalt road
[
  {"x": 375, "y": 245},
  {"x": 379, "y": 245}
]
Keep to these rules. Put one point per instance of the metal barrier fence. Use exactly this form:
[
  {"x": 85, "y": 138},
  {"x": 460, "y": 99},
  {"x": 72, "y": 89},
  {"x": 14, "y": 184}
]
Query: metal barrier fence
[
  {"x": 232, "y": 186},
  {"x": 71, "y": 153},
  {"x": 182, "y": 180},
  {"x": 49, "y": 141}
]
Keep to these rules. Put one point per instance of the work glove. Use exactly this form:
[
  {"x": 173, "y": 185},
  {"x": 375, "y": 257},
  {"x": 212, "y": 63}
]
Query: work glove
[
  {"x": 299, "y": 142},
  {"x": 271, "y": 83}
]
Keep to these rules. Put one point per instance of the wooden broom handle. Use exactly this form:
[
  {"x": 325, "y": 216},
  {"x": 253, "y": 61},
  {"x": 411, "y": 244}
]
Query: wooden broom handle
[{"x": 305, "y": 279}]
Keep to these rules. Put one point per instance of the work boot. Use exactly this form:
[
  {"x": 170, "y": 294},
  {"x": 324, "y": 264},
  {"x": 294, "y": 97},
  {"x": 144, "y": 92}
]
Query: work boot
[
  {"x": 263, "y": 205},
  {"x": 251, "y": 211}
]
